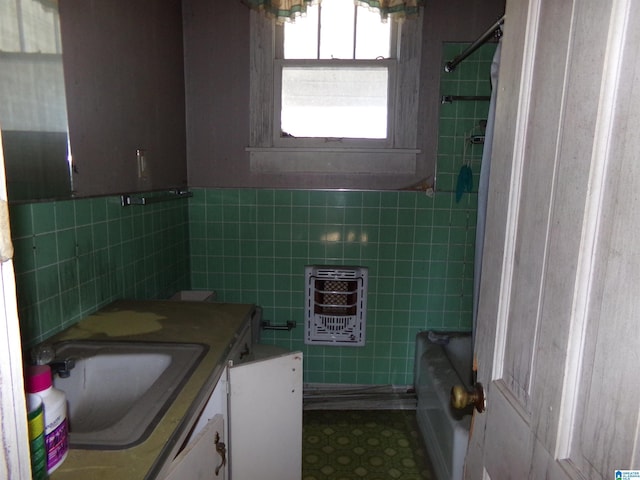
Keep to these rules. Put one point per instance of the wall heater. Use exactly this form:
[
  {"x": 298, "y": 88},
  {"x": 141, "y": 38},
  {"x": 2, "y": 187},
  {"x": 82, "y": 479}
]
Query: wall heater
[{"x": 336, "y": 305}]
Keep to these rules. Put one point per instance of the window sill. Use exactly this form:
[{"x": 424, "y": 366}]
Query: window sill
[{"x": 332, "y": 160}]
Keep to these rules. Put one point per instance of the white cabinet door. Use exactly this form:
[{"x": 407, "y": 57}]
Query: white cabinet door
[
  {"x": 557, "y": 340},
  {"x": 265, "y": 419},
  {"x": 204, "y": 457}
]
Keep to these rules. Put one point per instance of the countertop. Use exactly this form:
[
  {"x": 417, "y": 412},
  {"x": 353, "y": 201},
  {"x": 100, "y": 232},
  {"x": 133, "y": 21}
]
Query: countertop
[{"x": 214, "y": 324}]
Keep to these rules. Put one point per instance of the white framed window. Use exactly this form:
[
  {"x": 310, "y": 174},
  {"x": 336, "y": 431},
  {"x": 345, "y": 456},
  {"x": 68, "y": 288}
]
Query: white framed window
[
  {"x": 328, "y": 99},
  {"x": 334, "y": 77}
]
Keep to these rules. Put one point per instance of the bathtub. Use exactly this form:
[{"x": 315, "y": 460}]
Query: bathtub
[{"x": 445, "y": 431}]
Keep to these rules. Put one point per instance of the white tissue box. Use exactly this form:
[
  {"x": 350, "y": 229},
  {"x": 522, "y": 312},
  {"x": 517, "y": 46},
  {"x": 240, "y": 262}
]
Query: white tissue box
[{"x": 195, "y": 296}]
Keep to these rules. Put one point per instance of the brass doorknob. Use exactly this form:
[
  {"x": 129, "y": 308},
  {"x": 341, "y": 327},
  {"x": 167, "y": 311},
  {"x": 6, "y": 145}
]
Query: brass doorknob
[{"x": 462, "y": 398}]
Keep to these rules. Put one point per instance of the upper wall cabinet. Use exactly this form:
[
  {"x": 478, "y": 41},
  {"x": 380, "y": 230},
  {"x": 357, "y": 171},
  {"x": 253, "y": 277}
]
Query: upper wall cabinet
[{"x": 123, "y": 66}]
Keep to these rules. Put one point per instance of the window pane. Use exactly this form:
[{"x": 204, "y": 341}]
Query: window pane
[
  {"x": 301, "y": 37},
  {"x": 337, "y": 25},
  {"x": 373, "y": 37},
  {"x": 336, "y": 29},
  {"x": 29, "y": 26},
  {"x": 339, "y": 102}
]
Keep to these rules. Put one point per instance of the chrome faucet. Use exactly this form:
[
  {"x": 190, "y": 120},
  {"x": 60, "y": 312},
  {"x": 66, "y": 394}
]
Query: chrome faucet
[
  {"x": 45, "y": 354},
  {"x": 62, "y": 367}
]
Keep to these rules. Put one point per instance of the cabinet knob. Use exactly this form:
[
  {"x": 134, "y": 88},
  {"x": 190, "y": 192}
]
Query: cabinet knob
[{"x": 221, "y": 448}]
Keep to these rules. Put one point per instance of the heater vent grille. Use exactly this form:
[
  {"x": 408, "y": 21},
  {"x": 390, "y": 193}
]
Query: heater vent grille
[{"x": 336, "y": 305}]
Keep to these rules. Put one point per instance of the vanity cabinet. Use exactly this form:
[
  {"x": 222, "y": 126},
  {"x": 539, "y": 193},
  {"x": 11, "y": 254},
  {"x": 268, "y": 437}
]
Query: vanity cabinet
[{"x": 255, "y": 410}]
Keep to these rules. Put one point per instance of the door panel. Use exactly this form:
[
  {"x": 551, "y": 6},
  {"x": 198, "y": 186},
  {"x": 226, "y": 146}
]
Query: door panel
[
  {"x": 265, "y": 419},
  {"x": 557, "y": 337},
  {"x": 536, "y": 188},
  {"x": 607, "y": 416}
]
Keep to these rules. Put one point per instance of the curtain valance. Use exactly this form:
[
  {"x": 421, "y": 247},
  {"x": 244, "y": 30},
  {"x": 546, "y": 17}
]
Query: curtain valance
[{"x": 288, "y": 10}]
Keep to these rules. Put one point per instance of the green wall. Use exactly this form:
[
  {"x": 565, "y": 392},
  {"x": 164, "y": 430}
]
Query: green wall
[
  {"x": 253, "y": 245},
  {"x": 73, "y": 257}
]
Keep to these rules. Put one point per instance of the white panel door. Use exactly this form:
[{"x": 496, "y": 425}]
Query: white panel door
[
  {"x": 265, "y": 419},
  {"x": 558, "y": 338}
]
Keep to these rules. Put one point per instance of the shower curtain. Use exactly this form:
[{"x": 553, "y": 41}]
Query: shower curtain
[{"x": 483, "y": 186}]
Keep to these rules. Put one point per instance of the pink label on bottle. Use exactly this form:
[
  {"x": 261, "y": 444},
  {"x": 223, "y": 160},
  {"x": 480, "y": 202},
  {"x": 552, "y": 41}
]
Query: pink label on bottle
[{"x": 57, "y": 445}]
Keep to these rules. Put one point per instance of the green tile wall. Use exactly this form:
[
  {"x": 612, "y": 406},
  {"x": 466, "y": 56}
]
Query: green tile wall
[
  {"x": 73, "y": 257},
  {"x": 253, "y": 245},
  {"x": 460, "y": 119}
]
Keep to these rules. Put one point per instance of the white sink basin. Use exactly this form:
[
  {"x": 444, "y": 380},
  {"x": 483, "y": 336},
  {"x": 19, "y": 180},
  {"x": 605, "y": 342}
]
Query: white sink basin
[{"x": 118, "y": 391}]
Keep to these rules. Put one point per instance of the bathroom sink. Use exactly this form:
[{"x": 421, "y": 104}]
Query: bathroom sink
[{"x": 118, "y": 391}]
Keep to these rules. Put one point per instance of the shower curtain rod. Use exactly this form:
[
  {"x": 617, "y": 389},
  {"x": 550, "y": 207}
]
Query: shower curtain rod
[{"x": 494, "y": 31}]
